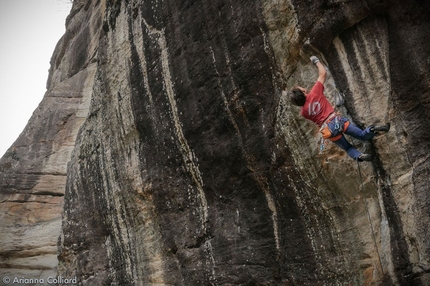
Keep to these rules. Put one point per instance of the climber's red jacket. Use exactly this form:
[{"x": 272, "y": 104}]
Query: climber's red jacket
[{"x": 316, "y": 108}]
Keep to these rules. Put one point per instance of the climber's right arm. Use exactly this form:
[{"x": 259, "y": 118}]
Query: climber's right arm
[{"x": 322, "y": 73}]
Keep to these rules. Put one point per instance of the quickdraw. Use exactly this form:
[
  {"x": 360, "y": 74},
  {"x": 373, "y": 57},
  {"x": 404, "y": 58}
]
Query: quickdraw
[
  {"x": 339, "y": 97},
  {"x": 322, "y": 143}
]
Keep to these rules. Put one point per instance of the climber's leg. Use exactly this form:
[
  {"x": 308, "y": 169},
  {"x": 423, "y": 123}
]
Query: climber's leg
[
  {"x": 351, "y": 151},
  {"x": 363, "y": 135},
  {"x": 345, "y": 145}
]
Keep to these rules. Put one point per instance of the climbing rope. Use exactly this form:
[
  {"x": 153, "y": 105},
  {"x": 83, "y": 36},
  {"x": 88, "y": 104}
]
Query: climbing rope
[
  {"x": 339, "y": 99},
  {"x": 370, "y": 219}
]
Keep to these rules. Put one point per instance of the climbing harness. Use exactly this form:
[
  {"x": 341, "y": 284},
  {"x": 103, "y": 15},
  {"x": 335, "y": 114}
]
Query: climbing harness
[
  {"x": 369, "y": 218},
  {"x": 333, "y": 127},
  {"x": 326, "y": 132}
]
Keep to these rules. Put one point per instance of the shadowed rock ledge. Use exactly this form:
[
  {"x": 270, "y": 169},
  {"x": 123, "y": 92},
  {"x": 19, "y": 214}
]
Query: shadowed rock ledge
[{"x": 165, "y": 153}]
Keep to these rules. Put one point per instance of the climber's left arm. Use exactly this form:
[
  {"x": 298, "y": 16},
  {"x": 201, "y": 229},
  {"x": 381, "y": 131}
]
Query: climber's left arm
[{"x": 322, "y": 73}]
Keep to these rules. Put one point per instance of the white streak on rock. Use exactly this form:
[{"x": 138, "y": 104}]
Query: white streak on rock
[
  {"x": 188, "y": 156},
  {"x": 261, "y": 180}
]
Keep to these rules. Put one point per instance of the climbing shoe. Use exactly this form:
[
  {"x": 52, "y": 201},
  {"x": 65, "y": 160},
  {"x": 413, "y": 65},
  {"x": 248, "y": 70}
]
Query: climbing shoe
[
  {"x": 364, "y": 157},
  {"x": 381, "y": 128}
]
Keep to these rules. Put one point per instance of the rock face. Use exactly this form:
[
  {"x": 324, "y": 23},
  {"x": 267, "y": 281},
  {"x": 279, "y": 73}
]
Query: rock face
[
  {"x": 183, "y": 163},
  {"x": 33, "y": 172}
]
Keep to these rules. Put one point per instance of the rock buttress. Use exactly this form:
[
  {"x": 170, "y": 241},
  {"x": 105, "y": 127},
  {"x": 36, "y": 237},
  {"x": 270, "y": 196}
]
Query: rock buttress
[
  {"x": 33, "y": 171},
  {"x": 170, "y": 181}
]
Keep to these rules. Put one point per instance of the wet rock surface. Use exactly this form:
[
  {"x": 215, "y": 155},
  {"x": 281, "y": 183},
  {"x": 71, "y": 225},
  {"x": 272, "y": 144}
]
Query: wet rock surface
[{"x": 166, "y": 145}]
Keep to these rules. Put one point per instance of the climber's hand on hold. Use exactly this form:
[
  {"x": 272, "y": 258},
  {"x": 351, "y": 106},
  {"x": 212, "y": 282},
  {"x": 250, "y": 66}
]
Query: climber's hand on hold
[
  {"x": 314, "y": 60},
  {"x": 322, "y": 73}
]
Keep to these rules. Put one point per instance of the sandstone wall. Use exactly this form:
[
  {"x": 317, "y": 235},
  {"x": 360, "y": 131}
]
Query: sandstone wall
[
  {"x": 33, "y": 172},
  {"x": 364, "y": 46},
  {"x": 183, "y": 162}
]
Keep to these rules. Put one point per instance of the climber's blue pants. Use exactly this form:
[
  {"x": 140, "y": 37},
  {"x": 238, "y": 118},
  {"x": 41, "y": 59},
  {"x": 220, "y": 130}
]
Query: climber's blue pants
[{"x": 354, "y": 131}]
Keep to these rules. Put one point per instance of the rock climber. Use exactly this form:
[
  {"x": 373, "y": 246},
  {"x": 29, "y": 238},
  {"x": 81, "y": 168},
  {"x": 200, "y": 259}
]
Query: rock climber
[{"x": 315, "y": 107}]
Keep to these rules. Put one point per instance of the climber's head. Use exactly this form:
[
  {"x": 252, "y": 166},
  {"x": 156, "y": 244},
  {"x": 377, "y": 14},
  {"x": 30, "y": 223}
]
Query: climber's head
[{"x": 298, "y": 96}]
